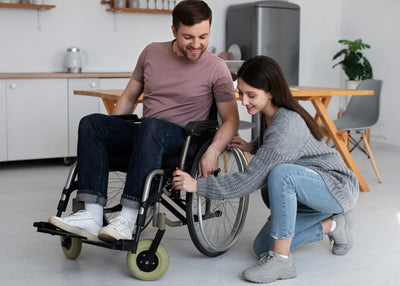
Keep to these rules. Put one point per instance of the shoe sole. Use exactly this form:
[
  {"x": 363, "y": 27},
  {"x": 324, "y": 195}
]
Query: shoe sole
[
  {"x": 107, "y": 234},
  {"x": 284, "y": 276},
  {"x": 72, "y": 229}
]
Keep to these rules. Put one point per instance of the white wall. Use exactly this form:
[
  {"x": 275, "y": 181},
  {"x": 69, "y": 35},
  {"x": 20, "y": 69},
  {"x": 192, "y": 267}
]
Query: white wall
[
  {"x": 86, "y": 24},
  {"x": 377, "y": 23}
]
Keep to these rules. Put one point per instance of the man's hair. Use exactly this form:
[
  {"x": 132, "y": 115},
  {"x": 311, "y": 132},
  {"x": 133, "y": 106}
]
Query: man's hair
[{"x": 190, "y": 12}]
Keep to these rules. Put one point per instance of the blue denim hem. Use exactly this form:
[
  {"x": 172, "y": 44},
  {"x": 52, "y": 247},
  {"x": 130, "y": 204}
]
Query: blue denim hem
[
  {"x": 130, "y": 203},
  {"x": 89, "y": 197}
]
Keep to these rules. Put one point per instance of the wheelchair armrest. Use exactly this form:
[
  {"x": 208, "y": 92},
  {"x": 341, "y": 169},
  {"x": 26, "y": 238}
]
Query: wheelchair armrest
[
  {"x": 197, "y": 127},
  {"x": 128, "y": 117}
]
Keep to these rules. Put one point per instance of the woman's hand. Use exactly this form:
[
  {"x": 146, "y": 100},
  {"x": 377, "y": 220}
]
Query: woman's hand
[
  {"x": 183, "y": 181},
  {"x": 241, "y": 144}
]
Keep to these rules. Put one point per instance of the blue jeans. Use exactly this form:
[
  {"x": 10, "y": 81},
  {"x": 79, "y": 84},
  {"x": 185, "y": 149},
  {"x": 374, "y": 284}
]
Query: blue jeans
[
  {"x": 143, "y": 145},
  {"x": 299, "y": 201}
]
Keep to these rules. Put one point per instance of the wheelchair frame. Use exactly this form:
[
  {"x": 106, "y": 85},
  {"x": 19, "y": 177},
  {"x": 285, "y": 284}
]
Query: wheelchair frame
[{"x": 148, "y": 259}]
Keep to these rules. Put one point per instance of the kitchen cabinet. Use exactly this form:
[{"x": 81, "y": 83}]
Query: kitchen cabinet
[
  {"x": 3, "y": 126},
  {"x": 40, "y": 114},
  {"x": 37, "y": 118},
  {"x": 78, "y": 107}
]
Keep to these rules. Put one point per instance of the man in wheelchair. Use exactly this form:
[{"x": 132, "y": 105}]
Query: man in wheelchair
[{"x": 179, "y": 81}]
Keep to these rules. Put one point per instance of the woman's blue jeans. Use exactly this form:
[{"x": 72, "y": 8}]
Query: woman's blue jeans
[
  {"x": 144, "y": 145},
  {"x": 299, "y": 201}
]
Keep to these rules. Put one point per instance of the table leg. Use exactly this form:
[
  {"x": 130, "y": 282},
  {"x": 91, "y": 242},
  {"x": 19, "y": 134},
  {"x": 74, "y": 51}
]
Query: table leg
[
  {"x": 109, "y": 105},
  {"x": 340, "y": 145}
]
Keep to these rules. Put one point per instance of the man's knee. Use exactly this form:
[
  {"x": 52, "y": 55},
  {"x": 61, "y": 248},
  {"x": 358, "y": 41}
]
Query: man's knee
[{"x": 89, "y": 122}]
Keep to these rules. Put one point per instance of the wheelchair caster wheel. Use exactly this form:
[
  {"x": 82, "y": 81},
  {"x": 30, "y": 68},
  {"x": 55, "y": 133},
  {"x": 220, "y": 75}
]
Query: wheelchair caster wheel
[
  {"x": 71, "y": 246},
  {"x": 144, "y": 269}
]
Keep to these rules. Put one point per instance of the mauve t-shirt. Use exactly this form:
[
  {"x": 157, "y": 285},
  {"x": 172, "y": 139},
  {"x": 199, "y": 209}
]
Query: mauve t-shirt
[{"x": 180, "y": 90}]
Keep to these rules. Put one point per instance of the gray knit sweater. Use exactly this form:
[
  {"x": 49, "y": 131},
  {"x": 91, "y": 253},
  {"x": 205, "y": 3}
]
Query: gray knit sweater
[{"x": 287, "y": 140}]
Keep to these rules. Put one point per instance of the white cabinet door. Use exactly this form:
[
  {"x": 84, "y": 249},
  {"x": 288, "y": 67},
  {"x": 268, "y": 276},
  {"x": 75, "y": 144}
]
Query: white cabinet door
[
  {"x": 37, "y": 119},
  {"x": 3, "y": 125},
  {"x": 111, "y": 83},
  {"x": 78, "y": 107}
]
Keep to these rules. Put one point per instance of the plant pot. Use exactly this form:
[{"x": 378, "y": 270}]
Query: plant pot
[
  {"x": 344, "y": 100},
  {"x": 352, "y": 84}
]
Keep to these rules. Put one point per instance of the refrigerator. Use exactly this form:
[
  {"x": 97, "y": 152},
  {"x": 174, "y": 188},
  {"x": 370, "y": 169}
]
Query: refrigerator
[{"x": 270, "y": 28}]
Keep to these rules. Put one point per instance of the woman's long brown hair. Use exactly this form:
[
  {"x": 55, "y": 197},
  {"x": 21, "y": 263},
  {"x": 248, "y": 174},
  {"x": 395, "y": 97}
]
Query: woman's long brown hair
[{"x": 264, "y": 73}]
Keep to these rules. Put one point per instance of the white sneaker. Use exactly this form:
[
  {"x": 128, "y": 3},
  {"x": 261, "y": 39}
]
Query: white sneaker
[
  {"x": 118, "y": 228},
  {"x": 81, "y": 223}
]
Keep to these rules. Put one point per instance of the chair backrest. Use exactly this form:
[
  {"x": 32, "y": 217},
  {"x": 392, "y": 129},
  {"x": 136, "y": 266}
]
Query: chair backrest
[{"x": 362, "y": 112}]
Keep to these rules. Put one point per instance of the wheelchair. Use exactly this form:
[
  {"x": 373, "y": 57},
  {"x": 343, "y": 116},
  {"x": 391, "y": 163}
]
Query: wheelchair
[{"x": 214, "y": 225}]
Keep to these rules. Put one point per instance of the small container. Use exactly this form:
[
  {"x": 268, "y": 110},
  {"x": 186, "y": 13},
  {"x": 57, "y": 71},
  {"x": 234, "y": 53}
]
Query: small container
[
  {"x": 134, "y": 4},
  {"x": 119, "y": 4}
]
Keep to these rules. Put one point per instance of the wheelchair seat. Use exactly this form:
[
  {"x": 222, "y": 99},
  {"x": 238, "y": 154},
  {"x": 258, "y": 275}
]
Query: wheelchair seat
[{"x": 199, "y": 131}]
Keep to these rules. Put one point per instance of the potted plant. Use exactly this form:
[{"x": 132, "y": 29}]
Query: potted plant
[{"x": 353, "y": 63}]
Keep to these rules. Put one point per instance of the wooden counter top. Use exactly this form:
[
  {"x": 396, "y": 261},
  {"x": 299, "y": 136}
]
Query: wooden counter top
[{"x": 64, "y": 75}]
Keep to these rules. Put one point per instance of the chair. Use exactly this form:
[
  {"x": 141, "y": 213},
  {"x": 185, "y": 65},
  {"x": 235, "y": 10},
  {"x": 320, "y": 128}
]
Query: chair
[{"x": 361, "y": 114}]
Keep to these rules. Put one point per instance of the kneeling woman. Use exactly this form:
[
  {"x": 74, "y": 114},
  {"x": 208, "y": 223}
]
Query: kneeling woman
[{"x": 310, "y": 190}]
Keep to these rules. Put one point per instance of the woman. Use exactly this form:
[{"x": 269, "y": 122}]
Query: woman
[{"x": 309, "y": 189}]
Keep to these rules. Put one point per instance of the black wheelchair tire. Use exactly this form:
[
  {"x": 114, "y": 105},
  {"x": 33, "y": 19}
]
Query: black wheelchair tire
[{"x": 198, "y": 229}]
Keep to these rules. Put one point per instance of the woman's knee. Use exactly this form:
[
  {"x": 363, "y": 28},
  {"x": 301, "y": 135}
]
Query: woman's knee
[{"x": 277, "y": 176}]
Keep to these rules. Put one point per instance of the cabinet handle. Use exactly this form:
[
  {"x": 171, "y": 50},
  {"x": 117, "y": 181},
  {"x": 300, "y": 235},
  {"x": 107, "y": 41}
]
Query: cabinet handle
[
  {"x": 13, "y": 85},
  {"x": 93, "y": 84}
]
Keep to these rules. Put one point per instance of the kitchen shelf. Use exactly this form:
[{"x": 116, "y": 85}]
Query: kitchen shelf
[
  {"x": 139, "y": 10},
  {"x": 26, "y": 6}
]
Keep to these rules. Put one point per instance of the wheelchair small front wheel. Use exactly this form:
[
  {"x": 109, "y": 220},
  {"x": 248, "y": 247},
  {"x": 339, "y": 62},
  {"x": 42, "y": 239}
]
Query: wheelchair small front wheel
[
  {"x": 144, "y": 268},
  {"x": 71, "y": 246}
]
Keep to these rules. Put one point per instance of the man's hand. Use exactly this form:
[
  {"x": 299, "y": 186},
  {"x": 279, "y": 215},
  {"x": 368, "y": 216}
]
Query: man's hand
[{"x": 209, "y": 162}]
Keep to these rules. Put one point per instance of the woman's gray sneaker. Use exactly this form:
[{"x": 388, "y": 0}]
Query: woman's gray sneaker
[
  {"x": 271, "y": 267},
  {"x": 342, "y": 236}
]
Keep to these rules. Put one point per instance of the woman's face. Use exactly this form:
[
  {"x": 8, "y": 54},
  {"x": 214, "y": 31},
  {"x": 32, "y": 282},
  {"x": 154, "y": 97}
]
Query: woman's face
[{"x": 254, "y": 99}]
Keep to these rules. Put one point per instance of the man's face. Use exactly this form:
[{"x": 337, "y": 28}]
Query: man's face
[{"x": 192, "y": 41}]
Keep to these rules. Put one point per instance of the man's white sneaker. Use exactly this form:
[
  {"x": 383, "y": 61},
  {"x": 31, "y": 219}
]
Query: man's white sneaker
[
  {"x": 118, "y": 228},
  {"x": 81, "y": 223}
]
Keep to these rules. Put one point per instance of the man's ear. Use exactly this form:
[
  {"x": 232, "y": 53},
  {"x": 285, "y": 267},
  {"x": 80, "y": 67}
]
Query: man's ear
[{"x": 174, "y": 32}]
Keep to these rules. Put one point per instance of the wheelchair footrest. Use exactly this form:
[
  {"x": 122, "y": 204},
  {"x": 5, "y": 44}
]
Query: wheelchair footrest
[{"x": 122, "y": 244}]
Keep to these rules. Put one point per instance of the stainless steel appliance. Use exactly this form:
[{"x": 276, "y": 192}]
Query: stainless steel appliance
[
  {"x": 270, "y": 28},
  {"x": 73, "y": 60}
]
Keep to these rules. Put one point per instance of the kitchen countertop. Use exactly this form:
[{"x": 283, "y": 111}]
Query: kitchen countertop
[{"x": 64, "y": 75}]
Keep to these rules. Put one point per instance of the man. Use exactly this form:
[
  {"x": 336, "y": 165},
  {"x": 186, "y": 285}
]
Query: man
[{"x": 179, "y": 81}]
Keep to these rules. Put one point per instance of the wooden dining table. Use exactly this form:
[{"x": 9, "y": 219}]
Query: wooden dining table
[{"x": 320, "y": 98}]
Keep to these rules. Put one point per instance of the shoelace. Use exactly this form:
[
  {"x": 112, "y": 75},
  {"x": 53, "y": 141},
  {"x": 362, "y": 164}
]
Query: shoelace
[
  {"x": 119, "y": 221},
  {"x": 264, "y": 258},
  {"x": 80, "y": 214}
]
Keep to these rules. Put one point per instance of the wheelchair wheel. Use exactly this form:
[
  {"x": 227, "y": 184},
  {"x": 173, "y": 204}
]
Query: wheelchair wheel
[
  {"x": 144, "y": 269},
  {"x": 71, "y": 246},
  {"x": 214, "y": 225},
  {"x": 116, "y": 183}
]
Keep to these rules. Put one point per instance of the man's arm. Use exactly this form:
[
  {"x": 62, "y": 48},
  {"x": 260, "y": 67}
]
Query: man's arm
[
  {"x": 128, "y": 98},
  {"x": 230, "y": 124}
]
